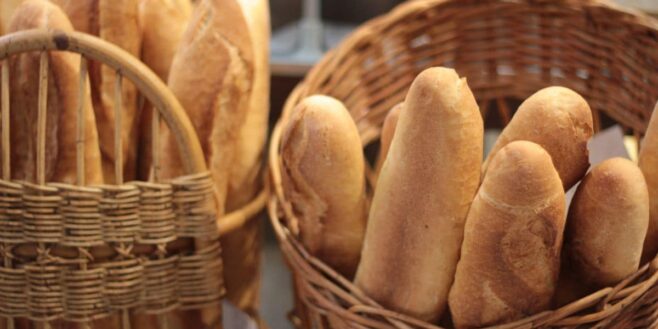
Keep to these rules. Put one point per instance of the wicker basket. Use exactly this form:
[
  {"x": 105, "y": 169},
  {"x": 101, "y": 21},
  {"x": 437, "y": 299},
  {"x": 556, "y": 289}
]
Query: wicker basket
[
  {"x": 508, "y": 49},
  {"x": 99, "y": 255}
]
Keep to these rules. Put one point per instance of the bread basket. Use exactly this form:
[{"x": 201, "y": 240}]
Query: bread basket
[
  {"x": 507, "y": 49},
  {"x": 148, "y": 248}
]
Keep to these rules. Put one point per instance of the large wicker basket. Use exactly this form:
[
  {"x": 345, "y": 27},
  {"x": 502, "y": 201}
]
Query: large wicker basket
[
  {"x": 507, "y": 49},
  {"x": 133, "y": 254}
]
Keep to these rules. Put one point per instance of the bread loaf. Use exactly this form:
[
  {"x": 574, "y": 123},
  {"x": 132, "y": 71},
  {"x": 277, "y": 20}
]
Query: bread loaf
[
  {"x": 213, "y": 90},
  {"x": 63, "y": 82},
  {"x": 423, "y": 193},
  {"x": 648, "y": 162},
  {"x": 607, "y": 223},
  {"x": 212, "y": 77},
  {"x": 560, "y": 121},
  {"x": 114, "y": 21},
  {"x": 7, "y": 8},
  {"x": 388, "y": 130},
  {"x": 323, "y": 174},
  {"x": 510, "y": 258},
  {"x": 241, "y": 247},
  {"x": 162, "y": 23}
]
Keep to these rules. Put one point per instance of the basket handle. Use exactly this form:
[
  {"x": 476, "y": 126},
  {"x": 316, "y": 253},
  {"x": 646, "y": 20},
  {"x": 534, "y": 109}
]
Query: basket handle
[
  {"x": 125, "y": 65},
  {"x": 111, "y": 55}
]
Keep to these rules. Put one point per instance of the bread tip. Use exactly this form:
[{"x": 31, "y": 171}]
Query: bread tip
[{"x": 322, "y": 101}]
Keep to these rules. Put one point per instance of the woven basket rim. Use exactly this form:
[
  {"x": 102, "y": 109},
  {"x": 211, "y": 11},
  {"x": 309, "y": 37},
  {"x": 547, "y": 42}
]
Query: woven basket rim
[{"x": 316, "y": 273}]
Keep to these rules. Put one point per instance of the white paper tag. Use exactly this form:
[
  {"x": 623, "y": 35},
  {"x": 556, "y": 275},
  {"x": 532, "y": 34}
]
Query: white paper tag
[
  {"x": 606, "y": 144},
  {"x": 233, "y": 317}
]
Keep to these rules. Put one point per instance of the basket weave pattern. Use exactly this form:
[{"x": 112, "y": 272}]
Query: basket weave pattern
[
  {"x": 81, "y": 253},
  {"x": 507, "y": 49}
]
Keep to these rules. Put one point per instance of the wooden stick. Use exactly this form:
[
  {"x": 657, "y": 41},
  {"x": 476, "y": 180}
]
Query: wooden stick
[
  {"x": 41, "y": 130},
  {"x": 80, "y": 135},
  {"x": 118, "y": 145},
  {"x": 41, "y": 118},
  {"x": 155, "y": 143},
  {"x": 6, "y": 154}
]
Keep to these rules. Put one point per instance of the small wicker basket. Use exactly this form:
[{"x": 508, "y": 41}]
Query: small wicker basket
[
  {"x": 85, "y": 254},
  {"x": 508, "y": 49}
]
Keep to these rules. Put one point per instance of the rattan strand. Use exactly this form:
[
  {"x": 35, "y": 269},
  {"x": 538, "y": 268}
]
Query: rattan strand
[
  {"x": 507, "y": 50},
  {"x": 80, "y": 288}
]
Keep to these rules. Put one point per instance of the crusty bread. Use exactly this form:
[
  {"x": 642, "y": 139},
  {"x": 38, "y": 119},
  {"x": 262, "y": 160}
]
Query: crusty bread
[
  {"x": 323, "y": 174},
  {"x": 212, "y": 77},
  {"x": 648, "y": 162},
  {"x": 388, "y": 130},
  {"x": 607, "y": 223},
  {"x": 162, "y": 23},
  {"x": 241, "y": 247},
  {"x": 560, "y": 121},
  {"x": 7, "y": 8},
  {"x": 63, "y": 85},
  {"x": 510, "y": 257},
  {"x": 114, "y": 21},
  {"x": 423, "y": 193}
]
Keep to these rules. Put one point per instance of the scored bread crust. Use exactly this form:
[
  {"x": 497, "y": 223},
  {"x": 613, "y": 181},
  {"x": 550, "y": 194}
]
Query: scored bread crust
[
  {"x": 242, "y": 246},
  {"x": 115, "y": 21},
  {"x": 162, "y": 23},
  {"x": 62, "y": 103},
  {"x": 211, "y": 76},
  {"x": 510, "y": 257}
]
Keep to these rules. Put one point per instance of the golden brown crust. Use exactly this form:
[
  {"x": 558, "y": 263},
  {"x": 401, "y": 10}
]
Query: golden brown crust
[
  {"x": 115, "y": 21},
  {"x": 241, "y": 248},
  {"x": 560, "y": 121},
  {"x": 244, "y": 181},
  {"x": 511, "y": 252},
  {"x": 214, "y": 90},
  {"x": 162, "y": 23},
  {"x": 388, "y": 130},
  {"x": 7, "y": 8},
  {"x": 62, "y": 105},
  {"x": 324, "y": 177},
  {"x": 648, "y": 163},
  {"x": 211, "y": 75},
  {"x": 423, "y": 193},
  {"x": 607, "y": 223}
]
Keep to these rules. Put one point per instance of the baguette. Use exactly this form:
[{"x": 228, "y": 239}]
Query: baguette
[
  {"x": 423, "y": 193},
  {"x": 560, "y": 121},
  {"x": 242, "y": 250},
  {"x": 648, "y": 163},
  {"x": 211, "y": 75},
  {"x": 324, "y": 176},
  {"x": 388, "y": 130},
  {"x": 607, "y": 223},
  {"x": 510, "y": 257},
  {"x": 213, "y": 90},
  {"x": 114, "y": 21},
  {"x": 63, "y": 82},
  {"x": 162, "y": 23}
]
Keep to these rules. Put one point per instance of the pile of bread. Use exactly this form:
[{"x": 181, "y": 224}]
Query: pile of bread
[
  {"x": 493, "y": 240},
  {"x": 213, "y": 56}
]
